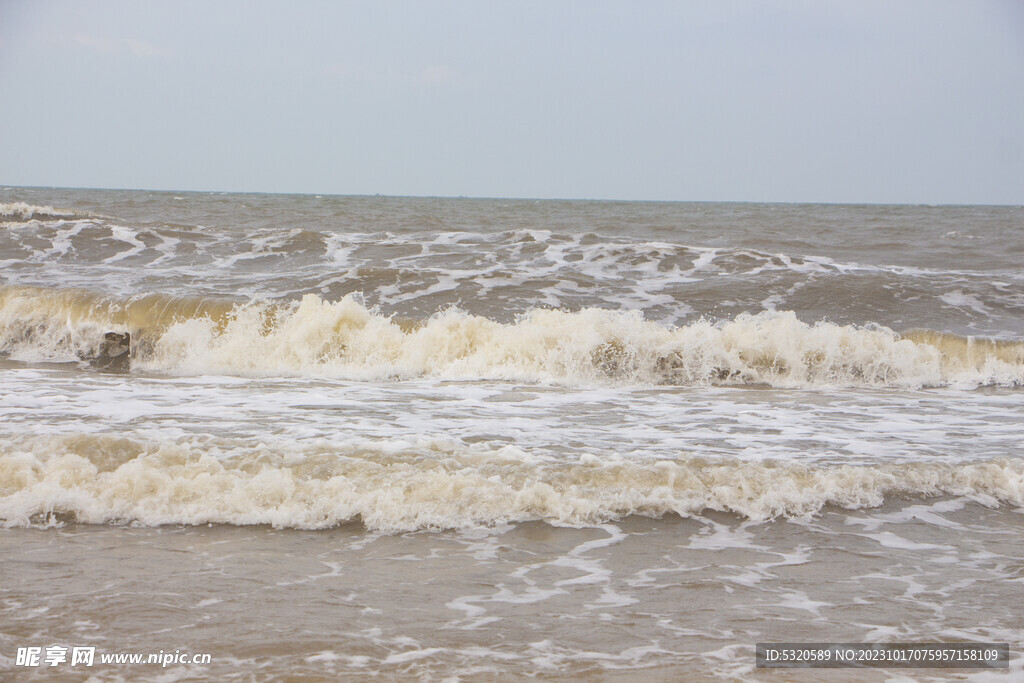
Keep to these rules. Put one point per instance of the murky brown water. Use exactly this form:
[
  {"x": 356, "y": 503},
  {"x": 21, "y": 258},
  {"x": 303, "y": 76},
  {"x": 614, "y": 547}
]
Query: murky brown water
[{"x": 428, "y": 439}]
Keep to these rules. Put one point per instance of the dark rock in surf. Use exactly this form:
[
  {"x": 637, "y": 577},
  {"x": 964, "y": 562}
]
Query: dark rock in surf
[{"x": 115, "y": 352}]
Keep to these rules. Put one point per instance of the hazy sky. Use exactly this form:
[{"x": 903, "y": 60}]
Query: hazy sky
[{"x": 853, "y": 101}]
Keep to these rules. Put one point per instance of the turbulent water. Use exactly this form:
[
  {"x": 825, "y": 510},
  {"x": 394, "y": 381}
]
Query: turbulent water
[{"x": 616, "y": 439}]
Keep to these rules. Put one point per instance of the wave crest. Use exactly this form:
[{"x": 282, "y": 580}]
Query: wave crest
[
  {"x": 436, "y": 484},
  {"x": 21, "y": 212},
  {"x": 345, "y": 339}
]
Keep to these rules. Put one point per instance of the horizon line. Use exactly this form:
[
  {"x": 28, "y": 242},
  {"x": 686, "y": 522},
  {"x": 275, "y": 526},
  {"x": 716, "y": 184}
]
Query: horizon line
[{"x": 6, "y": 187}]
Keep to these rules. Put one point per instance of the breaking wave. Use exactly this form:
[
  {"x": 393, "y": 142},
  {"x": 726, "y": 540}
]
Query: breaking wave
[
  {"x": 345, "y": 339},
  {"x": 435, "y": 484},
  {"x": 20, "y": 212}
]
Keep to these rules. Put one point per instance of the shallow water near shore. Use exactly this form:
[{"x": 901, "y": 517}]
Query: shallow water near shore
[{"x": 651, "y": 598}]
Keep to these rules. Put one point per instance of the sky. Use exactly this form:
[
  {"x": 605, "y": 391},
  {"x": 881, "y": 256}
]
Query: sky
[{"x": 864, "y": 101}]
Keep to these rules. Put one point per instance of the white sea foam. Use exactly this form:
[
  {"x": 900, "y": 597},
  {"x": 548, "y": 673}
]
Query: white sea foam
[
  {"x": 21, "y": 212},
  {"x": 959, "y": 299},
  {"x": 99, "y": 479},
  {"x": 345, "y": 339},
  {"x": 501, "y": 274},
  {"x": 130, "y": 237}
]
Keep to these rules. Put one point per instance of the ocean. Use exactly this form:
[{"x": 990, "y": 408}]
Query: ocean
[{"x": 331, "y": 437}]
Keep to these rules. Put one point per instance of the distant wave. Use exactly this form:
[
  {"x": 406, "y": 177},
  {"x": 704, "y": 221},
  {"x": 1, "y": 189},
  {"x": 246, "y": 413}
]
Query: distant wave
[
  {"x": 345, "y": 339},
  {"x": 435, "y": 484},
  {"x": 20, "y": 212}
]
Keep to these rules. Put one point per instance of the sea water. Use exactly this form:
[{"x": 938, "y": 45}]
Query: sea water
[{"x": 464, "y": 438}]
